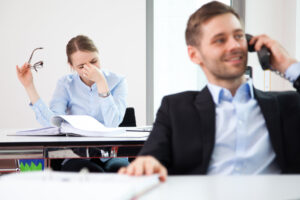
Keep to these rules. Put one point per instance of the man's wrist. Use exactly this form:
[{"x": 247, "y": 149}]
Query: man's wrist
[
  {"x": 293, "y": 71},
  {"x": 289, "y": 63}
]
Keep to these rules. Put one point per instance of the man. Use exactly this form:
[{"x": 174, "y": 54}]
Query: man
[{"x": 229, "y": 127}]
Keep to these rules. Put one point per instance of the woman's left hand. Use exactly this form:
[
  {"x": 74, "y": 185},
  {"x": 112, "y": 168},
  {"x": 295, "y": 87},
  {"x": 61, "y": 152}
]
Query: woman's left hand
[{"x": 93, "y": 73}]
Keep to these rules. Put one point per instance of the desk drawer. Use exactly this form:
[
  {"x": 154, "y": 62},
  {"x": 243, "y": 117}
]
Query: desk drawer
[
  {"x": 20, "y": 153},
  {"x": 7, "y": 166}
]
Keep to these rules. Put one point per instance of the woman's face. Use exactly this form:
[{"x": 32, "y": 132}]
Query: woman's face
[{"x": 80, "y": 58}]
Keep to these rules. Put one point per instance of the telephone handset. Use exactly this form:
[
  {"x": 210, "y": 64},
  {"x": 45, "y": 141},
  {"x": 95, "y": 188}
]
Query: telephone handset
[{"x": 263, "y": 54}]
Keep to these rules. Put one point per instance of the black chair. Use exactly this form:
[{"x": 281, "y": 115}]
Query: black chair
[
  {"x": 129, "y": 118},
  {"x": 128, "y": 121}
]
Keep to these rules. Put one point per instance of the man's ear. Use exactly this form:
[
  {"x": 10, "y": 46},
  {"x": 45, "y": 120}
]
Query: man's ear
[{"x": 194, "y": 55}]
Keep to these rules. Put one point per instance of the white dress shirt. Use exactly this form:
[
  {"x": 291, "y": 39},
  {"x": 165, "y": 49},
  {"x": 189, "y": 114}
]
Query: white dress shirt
[{"x": 242, "y": 143}]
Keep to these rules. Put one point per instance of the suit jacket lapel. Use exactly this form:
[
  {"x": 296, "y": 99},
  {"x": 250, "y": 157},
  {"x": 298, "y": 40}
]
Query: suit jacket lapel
[
  {"x": 270, "y": 109},
  {"x": 206, "y": 109}
]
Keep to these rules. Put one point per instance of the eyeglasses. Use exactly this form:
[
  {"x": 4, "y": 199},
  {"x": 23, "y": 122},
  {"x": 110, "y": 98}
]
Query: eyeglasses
[{"x": 37, "y": 65}]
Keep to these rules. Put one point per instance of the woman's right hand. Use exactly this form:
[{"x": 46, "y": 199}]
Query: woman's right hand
[{"x": 25, "y": 75}]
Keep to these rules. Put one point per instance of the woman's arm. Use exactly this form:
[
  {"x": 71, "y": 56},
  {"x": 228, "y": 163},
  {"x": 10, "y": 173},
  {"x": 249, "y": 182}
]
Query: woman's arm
[
  {"x": 58, "y": 105},
  {"x": 42, "y": 112},
  {"x": 112, "y": 98},
  {"x": 113, "y": 107}
]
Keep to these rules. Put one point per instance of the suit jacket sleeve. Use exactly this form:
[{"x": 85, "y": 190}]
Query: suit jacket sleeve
[
  {"x": 158, "y": 143},
  {"x": 297, "y": 84}
]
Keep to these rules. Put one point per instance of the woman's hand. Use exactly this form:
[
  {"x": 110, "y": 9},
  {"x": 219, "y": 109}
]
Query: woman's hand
[
  {"x": 94, "y": 74},
  {"x": 24, "y": 75}
]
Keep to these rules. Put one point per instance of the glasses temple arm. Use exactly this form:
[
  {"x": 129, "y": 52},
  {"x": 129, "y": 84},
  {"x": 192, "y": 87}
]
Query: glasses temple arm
[{"x": 33, "y": 53}]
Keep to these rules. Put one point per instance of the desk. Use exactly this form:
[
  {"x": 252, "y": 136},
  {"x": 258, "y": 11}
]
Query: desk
[
  {"x": 262, "y": 187},
  {"x": 50, "y": 147}
]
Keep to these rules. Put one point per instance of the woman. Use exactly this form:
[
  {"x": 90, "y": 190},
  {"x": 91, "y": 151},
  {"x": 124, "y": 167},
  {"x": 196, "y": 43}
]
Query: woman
[{"x": 91, "y": 91}]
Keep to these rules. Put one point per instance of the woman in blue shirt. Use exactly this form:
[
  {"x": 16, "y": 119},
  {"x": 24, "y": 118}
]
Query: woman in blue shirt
[{"x": 91, "y": 91}]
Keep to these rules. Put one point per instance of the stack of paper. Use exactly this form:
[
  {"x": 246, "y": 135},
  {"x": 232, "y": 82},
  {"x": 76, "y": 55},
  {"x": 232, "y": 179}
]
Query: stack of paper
[{"x": 69, "y": 185}]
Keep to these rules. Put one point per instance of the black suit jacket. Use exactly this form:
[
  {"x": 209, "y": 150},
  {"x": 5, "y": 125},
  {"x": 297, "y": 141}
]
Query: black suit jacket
[{"x": 183, "y": 135}]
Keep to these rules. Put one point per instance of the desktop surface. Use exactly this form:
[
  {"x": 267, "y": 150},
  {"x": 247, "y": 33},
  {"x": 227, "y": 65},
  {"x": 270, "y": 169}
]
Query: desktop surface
[{"x": 260, "y": 187}]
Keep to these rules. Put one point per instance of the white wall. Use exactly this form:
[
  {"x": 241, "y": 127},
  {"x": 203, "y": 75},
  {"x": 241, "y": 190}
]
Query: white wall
[
  {"x": 298, "y": 30},
  {"x": 276, "y": 18},
  {"x": 117, "y": 27},
  {"x": 173, "y": 70}
]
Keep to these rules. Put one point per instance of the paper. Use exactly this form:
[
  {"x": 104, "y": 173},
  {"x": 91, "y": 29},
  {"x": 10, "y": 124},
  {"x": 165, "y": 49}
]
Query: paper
[
  {"x": 77, "y": 125},
  {"x": 140, "y": 129},
  {"x": 39, "y": 131},
  {"x": 69, "y": 185},
  {"x": 70, "y": 130},
  {"x": 83, "y": 122}
]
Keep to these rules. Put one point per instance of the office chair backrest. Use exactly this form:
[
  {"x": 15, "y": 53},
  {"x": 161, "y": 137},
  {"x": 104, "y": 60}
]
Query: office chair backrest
[{"x": 129, "y": 118}]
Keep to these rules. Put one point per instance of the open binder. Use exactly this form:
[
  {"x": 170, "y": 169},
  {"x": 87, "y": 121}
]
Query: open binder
[{"x": 76, "y": 125}]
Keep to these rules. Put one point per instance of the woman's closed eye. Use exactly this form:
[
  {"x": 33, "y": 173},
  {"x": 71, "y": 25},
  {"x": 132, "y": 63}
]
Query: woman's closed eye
[
  {"x": 93, "y": 61},
  {"x": 80, "y": 66}
]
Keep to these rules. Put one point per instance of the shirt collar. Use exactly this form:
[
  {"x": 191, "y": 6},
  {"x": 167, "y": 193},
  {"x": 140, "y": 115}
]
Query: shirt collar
[
  {"x": 83, "y": 85},
  {"x": 243, "y": 93}
]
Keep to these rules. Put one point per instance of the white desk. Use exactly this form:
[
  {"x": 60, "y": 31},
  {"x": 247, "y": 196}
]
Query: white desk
[
  {"x": 49, "y": 147},
  {"x": 270, "y": 187},
  {"x": 7, "y": 139},
  {"x": 46, "y": 185}
]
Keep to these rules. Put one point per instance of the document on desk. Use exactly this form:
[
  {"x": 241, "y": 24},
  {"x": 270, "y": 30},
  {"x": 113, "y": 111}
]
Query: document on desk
[
  {"x": 139, "y": 129},
  {"x": 79, "y": 125},
  {"x": 70, "y": 185}
]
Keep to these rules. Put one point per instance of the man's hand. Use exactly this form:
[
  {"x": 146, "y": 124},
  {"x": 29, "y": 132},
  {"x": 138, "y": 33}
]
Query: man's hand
[
  {"x": 280, "y": 59},
  {"x": 145, "y": 165}
]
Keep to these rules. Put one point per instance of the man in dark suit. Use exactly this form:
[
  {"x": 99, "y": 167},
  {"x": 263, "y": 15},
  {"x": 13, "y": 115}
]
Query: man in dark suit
[{"x": 229, "y": 127}]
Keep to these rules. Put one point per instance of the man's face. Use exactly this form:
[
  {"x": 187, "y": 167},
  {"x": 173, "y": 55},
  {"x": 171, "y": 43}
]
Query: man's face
[{"x": 223, "y": 48}]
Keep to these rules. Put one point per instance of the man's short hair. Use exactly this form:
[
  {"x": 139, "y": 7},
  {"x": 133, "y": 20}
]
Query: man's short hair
[{"x": 203, "y": 14}]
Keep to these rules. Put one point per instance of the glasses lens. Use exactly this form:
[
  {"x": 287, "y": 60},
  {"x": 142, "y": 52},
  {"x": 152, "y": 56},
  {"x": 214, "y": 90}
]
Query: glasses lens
[{"x": 38, "y": 65}]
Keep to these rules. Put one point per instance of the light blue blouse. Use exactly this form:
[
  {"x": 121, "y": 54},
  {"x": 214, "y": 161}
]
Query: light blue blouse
[{"x": 73, "y": 97}]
